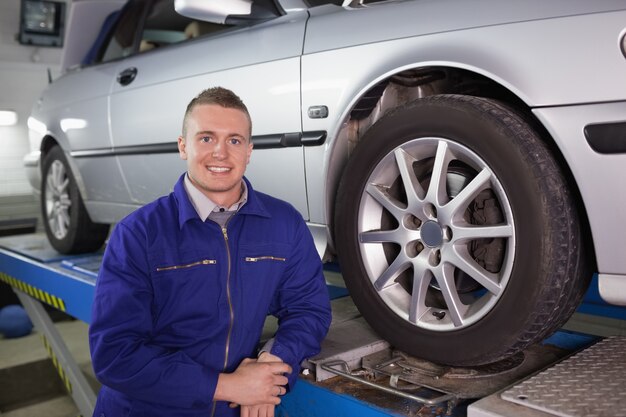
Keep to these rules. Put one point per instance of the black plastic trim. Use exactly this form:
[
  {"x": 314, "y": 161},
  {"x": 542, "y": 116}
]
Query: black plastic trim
[
  {"x": 314, "y": 138},
  {"x": 285, "y": 140},
  {"x": 170, "y": 147},
  {"x": 607, "y": 138},
  {"x": 288, "y": 140}
]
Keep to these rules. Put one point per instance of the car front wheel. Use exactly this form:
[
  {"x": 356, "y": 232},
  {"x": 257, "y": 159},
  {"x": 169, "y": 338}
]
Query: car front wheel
[
  {"x": 457, "y": 234},
  {"x": 66, "y": 221}
]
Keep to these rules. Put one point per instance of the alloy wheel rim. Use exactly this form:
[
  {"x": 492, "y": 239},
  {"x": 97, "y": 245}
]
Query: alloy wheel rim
[
  {"x": 57, "y": 200},
  {"x": 421, "y": 238}
]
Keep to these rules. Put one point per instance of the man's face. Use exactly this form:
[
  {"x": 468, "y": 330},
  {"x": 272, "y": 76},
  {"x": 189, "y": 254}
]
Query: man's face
[{"x": 217, "y": 149}]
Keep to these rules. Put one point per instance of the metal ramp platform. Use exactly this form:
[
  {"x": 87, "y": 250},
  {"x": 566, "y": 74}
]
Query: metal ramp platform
[
  {"x": 355, "y": 362},
  {"x": 29, "y": 264},
  {"x": 357, "y": 373},
  {"x": 38, "y": 275},
  {"x": 591, "y": 383}
]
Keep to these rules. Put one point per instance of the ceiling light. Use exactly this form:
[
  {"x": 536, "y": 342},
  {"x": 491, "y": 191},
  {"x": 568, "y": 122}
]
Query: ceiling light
[{"x": 8, "y": 118}]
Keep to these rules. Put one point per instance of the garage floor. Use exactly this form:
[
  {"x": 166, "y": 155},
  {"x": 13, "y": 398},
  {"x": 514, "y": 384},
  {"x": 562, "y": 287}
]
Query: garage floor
[{"x": 31, "y": 387}]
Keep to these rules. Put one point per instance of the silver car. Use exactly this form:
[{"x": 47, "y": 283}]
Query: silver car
[{"x": 464, "y": 161}]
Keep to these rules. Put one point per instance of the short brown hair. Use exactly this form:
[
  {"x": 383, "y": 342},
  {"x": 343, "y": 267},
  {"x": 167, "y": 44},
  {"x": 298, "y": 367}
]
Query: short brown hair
[{"x": 220, "y": 96}]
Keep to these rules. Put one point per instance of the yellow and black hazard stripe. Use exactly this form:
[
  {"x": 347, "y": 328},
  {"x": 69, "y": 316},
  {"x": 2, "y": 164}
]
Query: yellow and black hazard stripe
[
  {"x": 57, "y": 365},
  {"x": 34, "y": 292}
]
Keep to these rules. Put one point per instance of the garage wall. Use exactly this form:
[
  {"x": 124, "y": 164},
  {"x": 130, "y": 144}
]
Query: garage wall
[{"x": 23, "y": 75}]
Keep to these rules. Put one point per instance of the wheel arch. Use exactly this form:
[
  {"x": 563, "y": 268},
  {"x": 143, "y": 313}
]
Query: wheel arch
[
  {"x": 402, "y": 85},
  {"x": 47, "y": 143}
]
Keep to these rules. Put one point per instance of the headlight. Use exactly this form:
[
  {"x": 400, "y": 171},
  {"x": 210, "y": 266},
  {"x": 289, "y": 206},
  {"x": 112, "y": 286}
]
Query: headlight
[{"x": 36, "y": 126}]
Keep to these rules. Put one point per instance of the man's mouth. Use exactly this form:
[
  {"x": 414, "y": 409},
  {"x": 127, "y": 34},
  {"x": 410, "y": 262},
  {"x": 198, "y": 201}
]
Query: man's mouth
[{"x": 219, "y": 169}]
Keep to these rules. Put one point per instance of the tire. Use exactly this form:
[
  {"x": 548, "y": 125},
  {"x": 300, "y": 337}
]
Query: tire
[
  {"x": 67, "y": 223},
  {"x": 457, "y": 235}
]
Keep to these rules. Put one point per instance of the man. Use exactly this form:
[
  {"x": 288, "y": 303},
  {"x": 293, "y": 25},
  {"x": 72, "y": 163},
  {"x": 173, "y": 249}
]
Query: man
[{"x": 187, "y": 280}]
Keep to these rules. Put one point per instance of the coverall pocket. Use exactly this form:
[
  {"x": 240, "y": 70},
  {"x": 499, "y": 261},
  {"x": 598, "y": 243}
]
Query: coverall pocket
[
  {"x": 263, "y": 265},
  {"x": 262, "y": 270},
  {"x": 186, "y": 291}
]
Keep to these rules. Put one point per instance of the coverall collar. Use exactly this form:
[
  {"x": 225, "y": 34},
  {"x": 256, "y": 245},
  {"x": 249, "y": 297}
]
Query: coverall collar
[{"x": 186, "y": 210}]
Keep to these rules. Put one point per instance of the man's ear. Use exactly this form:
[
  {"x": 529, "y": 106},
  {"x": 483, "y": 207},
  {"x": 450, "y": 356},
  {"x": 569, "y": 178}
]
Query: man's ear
[
  {"x": 250, "y": 146},
  {"x": 182, "y": 150}
]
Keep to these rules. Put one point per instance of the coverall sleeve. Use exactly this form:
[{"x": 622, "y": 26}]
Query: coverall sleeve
[
  {"x": 301, "y": 304},
  {"x": 120, "y": 336}
]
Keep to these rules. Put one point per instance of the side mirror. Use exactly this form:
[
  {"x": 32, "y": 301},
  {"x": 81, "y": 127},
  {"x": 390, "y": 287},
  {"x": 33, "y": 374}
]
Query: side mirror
[{"x": 229, "y": 12}]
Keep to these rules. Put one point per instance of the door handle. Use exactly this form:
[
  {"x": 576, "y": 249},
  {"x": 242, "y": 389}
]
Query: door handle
[{"x": 127, "y": 76}]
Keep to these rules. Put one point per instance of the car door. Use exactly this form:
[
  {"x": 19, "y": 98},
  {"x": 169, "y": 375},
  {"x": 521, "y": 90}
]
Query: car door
[
  {"x": 260, "y": 63},
  {"x": 76, "y": 111}
]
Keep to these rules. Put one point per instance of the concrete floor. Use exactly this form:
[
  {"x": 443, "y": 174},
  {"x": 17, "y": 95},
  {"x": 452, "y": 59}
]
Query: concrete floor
[
  {"x": 32, "y": 388},
  {"x": 31, "y": 385}
]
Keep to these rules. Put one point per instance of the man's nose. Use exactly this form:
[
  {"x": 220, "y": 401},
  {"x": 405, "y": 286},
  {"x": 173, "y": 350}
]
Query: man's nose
[{"x": 219, "y": 150}]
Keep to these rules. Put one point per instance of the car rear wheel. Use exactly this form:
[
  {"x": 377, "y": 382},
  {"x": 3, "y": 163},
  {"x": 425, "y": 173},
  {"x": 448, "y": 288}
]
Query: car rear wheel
[
  {"x": 67, "y": 223},
  {"x": 457, "y": 234}
]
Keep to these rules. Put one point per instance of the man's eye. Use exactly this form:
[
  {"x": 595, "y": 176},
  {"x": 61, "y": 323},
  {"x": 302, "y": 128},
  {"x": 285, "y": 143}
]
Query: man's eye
[
  {"x": 235, "y": 141},
  {"x": 205, "y": 139}
]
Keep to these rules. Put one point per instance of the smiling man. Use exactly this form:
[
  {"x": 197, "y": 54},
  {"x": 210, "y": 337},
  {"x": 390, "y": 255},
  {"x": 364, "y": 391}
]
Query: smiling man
[
  {"x": 216, "y": 144},
  {"x": 187, "y": 280}
]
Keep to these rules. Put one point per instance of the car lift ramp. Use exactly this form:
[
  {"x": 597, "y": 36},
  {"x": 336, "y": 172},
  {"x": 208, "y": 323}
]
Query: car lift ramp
[
  {"x": 356, "y": 373},
  {"x": 591, "y": 383},
  {"x": 588, "y": 373},
  {"x": 39, "y": 274}
]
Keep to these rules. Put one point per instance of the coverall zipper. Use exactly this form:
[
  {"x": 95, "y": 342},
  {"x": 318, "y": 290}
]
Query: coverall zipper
[
  {"x": 228, "y": 297},
  {"x": 202, "y": 262},
  {"x": 230, "y": 307},
  {"x": 264, "y": 258}
]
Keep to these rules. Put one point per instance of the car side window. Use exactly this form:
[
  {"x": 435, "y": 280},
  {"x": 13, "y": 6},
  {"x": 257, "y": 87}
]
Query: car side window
[
  {"x": 163, "y": 26},
  {"x": 122, "y": 39},
  {"x": 137, "y": 31}
]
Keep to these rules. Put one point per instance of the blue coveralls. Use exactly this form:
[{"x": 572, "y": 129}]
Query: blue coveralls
[{"x": 179, "y": 300}]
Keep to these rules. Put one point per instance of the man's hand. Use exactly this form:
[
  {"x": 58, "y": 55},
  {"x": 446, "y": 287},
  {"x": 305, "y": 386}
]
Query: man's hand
[
  {"x": 263, "y": 410},
  {"x": 268, "y": 357},
  {"x": 253, "y": 383}
]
